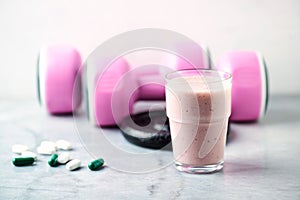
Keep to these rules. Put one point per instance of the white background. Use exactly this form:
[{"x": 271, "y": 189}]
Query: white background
[{"x": 269, "y": 26}]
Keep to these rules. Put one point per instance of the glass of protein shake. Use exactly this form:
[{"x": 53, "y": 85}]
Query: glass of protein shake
[{"x": 198, "y": 104}]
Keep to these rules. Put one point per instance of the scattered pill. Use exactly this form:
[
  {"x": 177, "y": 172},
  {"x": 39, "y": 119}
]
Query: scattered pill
[
  {"x": 49, "y": 148},
  {"x": 48, "y": 144},
  {"x": 53, "y": 160},
  {"x": 73, "y": 164},
  {"x": 23, "y": 161},
  {"x": 29, "y": 154},
  {"x": 46, "y": 150},
  {"x": 96, "y": 164},
  {"x": 63, "y": 144},
  {"x": 63, "y": 158},
  {"x": 19, "y": 148}
]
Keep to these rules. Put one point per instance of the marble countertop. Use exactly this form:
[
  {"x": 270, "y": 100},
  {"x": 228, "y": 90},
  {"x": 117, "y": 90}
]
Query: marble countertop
[{"x": 262, "y": 159}]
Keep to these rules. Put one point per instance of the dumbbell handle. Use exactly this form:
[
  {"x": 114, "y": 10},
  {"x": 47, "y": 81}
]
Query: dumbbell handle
[{"x": 151, "y": 87}]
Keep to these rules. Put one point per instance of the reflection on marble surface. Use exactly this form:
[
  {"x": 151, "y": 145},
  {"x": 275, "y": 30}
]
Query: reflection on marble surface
[{"x": 261, "y": 162}]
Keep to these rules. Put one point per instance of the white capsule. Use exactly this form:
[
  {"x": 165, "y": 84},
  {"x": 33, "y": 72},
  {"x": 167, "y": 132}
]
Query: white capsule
[
  {"x": 29, "y": 154},
  {"x": 46, "y": 150},
  {"x": 73, "y": 164},
  {"x": 63, "y": 144},
  {"x": 48, "y": 144},
  {"x": 63, "y": 158},
  {"x": 19, "y": 148}
]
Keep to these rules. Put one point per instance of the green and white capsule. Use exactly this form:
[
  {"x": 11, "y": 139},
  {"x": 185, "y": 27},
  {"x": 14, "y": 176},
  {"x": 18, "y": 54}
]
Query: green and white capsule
[
  {"x": 23, "y": 161},
  {"x": 96, "y": 164},
  {"x": 53, "y": 160}
]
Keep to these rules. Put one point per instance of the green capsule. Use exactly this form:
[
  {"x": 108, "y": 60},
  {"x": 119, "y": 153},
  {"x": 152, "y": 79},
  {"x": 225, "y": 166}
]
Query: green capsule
[
  {"x": 96, "y": 164},
  {"x": 53, "y": 160},
  {"x": 23, "y": 161}
]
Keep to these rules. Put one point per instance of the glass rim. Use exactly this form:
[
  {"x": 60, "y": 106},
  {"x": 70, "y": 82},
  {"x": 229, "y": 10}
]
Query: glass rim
[{"x": 201, "y": 70}]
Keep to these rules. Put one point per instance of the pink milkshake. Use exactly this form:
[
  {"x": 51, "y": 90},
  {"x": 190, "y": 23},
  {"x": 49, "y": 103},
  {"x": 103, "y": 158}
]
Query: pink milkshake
[{"x": 198, "y": 106}]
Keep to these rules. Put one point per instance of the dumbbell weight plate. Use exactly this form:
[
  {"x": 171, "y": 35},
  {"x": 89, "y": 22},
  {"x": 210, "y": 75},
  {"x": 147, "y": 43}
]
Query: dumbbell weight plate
[{"x": 148, "y": 129}]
